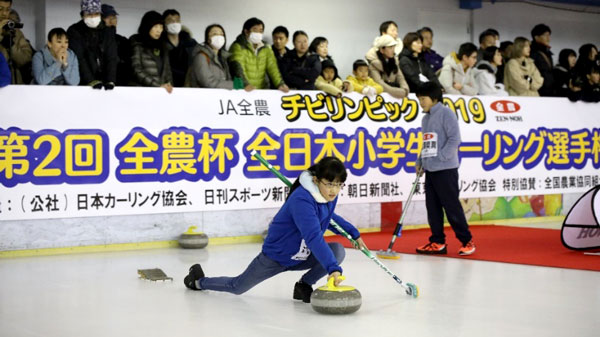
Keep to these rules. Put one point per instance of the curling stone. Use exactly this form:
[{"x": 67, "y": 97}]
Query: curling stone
[
  {"x": 193, "y": 240},
  {"x": 333, "y": 300}
]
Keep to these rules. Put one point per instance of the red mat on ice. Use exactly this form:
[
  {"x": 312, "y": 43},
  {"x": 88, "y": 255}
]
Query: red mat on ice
[{"x": 532, "y": 246}]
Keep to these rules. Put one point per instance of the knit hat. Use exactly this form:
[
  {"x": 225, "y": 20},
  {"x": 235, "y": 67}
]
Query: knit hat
[
  {"x": 329, "y": 64},
  {"x": 385, "y": 41},
  {"x": 91, "y": 7}
]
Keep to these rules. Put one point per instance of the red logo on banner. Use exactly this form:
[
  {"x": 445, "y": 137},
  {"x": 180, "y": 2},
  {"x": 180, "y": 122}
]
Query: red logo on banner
[
  {"x": 505, "y": 107},
  {"x": 427, "y": 136}
]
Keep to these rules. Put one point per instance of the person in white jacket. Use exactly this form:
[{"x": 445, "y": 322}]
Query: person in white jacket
[
  {"x": 485, "y": 73},
  {"x": 456, "y": 75}
]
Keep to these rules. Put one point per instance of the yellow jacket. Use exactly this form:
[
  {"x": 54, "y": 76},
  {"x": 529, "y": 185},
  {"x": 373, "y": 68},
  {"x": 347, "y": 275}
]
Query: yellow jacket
[
  {"x": 333, "y": 88},
  {"x": 359, "y": 85}
]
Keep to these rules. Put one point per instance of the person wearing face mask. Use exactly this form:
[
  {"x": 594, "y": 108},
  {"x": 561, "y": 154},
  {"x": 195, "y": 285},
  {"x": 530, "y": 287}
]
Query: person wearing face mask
[
  {"x": 149, "y": 57},
  {"x": 56, "y": 64},
  {"x": 180, "y": 45},
  {"x": 209, "y": 67},
  {"x": 95, "y": 47},
  {"x": 300, "y": 68},
  {"x": 521, "y": 76},
  {"x": 252, "y": 60},
  {"x": 13, "y": 45}
]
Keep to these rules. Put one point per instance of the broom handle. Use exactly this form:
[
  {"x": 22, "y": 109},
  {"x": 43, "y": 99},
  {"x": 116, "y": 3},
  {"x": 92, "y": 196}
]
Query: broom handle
[
  {"x": 335, "y": 225},
  {"x": 404, "y": 211}
]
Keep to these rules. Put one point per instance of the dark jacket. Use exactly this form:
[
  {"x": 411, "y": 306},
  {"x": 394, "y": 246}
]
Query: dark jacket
[
  {"x": 300, "y": 73},
  {"x": 180, "y": 57},
  {"x": 151, "y": 66},
  {"x": 412, "y": 66},
  {"x": 96, "y": 50},
  {"x": 124, "y": 65},
  {"x": 562, "y": 77},
  {"x": 542, "y": 57},
  {"x": 588, "y": 93}
]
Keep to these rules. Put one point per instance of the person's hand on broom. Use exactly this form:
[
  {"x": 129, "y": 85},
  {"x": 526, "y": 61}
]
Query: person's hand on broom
[{"x": 360, "y": 244}]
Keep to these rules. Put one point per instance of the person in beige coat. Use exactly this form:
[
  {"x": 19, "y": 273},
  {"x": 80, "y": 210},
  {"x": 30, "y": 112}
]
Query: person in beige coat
[
  {"x": 13, "y": 45},
  {"x": 330, "y": 82},
  {"x": 457, "y": 76},
  {"x": 521, "y": 76},
  {"x": 385, "y": 69}
]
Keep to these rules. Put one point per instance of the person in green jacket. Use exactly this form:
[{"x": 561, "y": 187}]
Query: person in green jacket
[{"x": 251, "y": 59}]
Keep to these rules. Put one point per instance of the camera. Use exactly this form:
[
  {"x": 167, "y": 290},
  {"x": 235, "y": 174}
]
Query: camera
[{"x": 11, "y": 25}]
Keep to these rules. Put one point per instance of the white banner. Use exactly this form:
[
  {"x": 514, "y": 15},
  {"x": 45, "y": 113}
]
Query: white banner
[{"x": 73, "y": 152}]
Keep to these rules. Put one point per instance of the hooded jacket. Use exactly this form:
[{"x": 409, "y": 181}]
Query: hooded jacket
[
  {"x": 96, "y": 50},
  {"x": 209, "y": 70},
  {"x": 297, "y": 229},
  {"x": 454, "y": 72},
  {"x": 335, "y": 86},
  {"x": 412, "y": 66},
  {"x": 516, "y": 75},
  {"x": 252, "y": 65},
  {"x": 485, "y": 78},
  {"x": 48, "y": 71},
  {"x": 371, "y": 55}
]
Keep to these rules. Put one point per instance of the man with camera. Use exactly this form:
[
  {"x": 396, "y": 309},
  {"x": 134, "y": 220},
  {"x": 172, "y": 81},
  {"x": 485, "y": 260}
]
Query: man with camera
[{"x": 13, "y": 45}]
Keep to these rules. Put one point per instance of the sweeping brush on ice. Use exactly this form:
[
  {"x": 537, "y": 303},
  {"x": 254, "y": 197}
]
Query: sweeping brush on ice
[{"x": 389, "y": 254}]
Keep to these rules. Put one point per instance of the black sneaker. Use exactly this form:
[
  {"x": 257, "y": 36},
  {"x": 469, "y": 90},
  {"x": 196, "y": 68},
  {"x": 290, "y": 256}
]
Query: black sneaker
[
  {"x": 195, "y": 274},
  {"x": 302, "y": 291}
]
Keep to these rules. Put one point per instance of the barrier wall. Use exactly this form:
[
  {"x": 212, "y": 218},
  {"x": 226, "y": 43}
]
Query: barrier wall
[{"x": 139, "y": 160}]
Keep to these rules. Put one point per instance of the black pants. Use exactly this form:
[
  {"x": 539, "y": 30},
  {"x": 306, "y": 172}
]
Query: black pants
[{"x": 441, "y": 194}]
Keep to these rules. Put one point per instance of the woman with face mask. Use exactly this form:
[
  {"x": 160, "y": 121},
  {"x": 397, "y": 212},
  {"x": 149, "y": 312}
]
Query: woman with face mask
[
  {"x": 251, "y": 59},
  {"x": 150, "y": 59},
  {"x": 95, "y": 47},
  {"x": 209, "y": 67}
]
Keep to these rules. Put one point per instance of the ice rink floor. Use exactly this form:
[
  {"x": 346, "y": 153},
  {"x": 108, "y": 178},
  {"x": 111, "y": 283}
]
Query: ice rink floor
[{"x": 100, "y": 294}]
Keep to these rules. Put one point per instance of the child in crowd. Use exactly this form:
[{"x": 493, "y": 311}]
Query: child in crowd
[
  {"x": 361, "y": 81},
  {"x": 439, "y": 161},
  {"x": 521, "y": 76},
  {"x": 295, "y": 237},
  {"x": 330, "y": 82},
  {"x": 56, "y": 64},
  {"x": 320, "y": 46},
  {"x": 485, "y": 73},
  {"x": 456, "y": 76}
]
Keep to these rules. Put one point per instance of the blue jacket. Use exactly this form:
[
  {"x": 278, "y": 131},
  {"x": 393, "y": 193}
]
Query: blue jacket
[
  {"x": 443, "y": 122},
  {"x": 4, "y": 72},
  {"x": 48, "y": 71},
  {"x": 297, "y": 229}
]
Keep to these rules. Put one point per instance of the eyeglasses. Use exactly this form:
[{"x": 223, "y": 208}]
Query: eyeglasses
[{"x": 332, "y": 185}]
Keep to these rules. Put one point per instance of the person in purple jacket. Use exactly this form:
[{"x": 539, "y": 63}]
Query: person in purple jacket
[{"x": 295, "y": 237}]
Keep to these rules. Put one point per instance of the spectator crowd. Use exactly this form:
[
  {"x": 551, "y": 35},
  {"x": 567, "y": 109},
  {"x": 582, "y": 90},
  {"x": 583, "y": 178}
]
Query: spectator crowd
[{"x": 163, "y": 53}]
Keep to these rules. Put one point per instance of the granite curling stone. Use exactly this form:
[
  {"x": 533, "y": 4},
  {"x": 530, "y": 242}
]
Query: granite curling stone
[
  {"x": 193, "y": 240},
  {"x": 334, "y": 300}
]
